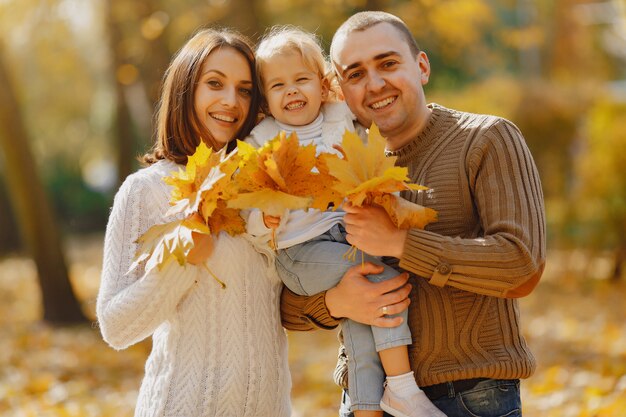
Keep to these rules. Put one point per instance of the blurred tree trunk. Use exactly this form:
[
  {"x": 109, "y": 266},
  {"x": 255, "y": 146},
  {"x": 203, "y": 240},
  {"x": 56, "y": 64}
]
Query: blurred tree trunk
[
  {"x": 246, "y": 17},
  {"x": 32, "y": 209},
  {"x": 156, "y": 59},
  {"x": 620, "y": 260},
  {"x": 9, "y": 237},
  {"x": 122, "y": 128}
]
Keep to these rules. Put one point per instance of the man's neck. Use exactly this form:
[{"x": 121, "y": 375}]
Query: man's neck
[{"x": 395, "y": 142}]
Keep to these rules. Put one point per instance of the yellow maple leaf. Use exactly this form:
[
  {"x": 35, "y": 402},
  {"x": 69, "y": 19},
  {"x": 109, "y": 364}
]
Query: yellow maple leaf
[
  {"x": 366, "y": 176},
  {"x": 163, "y": 243},
  {"x": 186, "y": 183},
  {"x": 199, "y": 192}
]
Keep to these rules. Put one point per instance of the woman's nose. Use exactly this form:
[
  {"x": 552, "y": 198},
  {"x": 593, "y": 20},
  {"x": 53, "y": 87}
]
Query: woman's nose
[{"x": 229, "y": 97}]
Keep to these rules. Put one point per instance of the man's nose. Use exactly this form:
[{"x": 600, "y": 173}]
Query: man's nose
[{"x": 375, "y": 81}]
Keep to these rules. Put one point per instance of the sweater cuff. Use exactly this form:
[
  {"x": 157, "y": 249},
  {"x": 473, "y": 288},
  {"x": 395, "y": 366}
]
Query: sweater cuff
[
  {"x": 422, "y": 255},
  {"x": 303, "y": 313}
]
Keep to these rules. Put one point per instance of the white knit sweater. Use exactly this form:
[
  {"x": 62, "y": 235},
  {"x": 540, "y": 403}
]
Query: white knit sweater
[{"x": 216, "y": 352}]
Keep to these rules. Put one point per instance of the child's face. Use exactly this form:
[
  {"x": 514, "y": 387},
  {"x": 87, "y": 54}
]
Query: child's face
[{"x": 294, "y": 92}]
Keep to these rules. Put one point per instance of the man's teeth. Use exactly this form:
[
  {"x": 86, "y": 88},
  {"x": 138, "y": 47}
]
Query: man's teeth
[
  {"x": 296, "y": 105},
  {"x": 383, "y": 103},
  {"x": 223, "y": 117}
]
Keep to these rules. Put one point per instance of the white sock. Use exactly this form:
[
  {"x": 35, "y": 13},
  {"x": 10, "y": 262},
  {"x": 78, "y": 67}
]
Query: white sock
[{"x": 403, "y": 385}]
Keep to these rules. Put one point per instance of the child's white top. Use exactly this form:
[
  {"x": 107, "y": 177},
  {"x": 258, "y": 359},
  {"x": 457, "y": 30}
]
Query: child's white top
[
  {"x": 216, "y": 352},
  {"x": 298, "y": 226}
]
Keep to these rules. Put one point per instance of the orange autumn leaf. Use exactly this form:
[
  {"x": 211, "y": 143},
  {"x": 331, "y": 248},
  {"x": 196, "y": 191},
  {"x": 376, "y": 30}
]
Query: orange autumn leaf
[
  {"x": 405, "y": 214},
  {"x": 226, "y": 219},
  {"x": 281, "y": 175},
  {"x": 366, "y": 176}
]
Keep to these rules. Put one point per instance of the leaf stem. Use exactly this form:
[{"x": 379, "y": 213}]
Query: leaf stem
[{"x": 214, "y": 277}]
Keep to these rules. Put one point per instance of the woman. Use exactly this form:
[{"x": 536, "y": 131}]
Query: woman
[{"x": 216, "y": 352}]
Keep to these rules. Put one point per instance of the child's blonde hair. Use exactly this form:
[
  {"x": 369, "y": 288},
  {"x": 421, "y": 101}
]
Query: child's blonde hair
[{"x": 286, "y": 39}]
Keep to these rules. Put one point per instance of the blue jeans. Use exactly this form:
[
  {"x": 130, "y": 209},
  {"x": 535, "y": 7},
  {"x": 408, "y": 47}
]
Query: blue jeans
[
  {"x": 317, "y": 265},
  {"x": 489, "y": 398}
]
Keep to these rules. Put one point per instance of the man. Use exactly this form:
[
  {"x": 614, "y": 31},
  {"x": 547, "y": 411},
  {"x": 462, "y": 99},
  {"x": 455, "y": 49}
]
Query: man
[{"x": 467, "y": 269}]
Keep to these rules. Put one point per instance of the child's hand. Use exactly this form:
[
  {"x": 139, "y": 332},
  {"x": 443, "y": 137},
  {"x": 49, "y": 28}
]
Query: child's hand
[{"x": 271, "y": 222}]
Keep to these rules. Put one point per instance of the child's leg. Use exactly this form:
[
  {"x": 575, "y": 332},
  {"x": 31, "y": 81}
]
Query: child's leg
[
  {"x": 315, "y": 266},
  {"x": 402, "y": 396}
]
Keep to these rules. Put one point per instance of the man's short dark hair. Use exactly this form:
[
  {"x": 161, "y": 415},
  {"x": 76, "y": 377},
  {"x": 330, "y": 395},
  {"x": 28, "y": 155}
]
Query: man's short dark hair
[{"x": 364, "y": 20}]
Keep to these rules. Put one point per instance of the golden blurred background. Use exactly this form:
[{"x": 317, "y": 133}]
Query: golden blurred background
[{"x": 79, "y": 80}]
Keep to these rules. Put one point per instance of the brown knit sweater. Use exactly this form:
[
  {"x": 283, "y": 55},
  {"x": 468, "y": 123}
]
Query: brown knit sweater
[{"x": 486, "y": 249}]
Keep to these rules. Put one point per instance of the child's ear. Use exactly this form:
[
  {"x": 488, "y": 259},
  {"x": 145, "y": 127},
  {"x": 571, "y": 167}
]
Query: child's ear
[{"x": 325, "y": 88}]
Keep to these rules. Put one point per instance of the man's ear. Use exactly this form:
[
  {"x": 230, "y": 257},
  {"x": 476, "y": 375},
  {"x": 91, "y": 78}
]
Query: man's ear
[{"x": 424, "y": 66}]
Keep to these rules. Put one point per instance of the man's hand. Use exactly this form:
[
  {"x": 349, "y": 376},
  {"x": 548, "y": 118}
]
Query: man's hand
[
  {"x": 370, "y": 229},
  {"x": 358, "y": 299}
]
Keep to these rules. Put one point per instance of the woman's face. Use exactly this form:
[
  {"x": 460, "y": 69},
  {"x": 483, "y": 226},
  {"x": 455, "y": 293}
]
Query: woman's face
[{"x": 223, "y": 94}]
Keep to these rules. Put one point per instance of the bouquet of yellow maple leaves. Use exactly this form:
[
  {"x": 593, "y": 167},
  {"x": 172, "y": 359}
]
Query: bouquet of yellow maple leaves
[
  {"x": 281, "y": 175},
  {"x": 199, "y": 197}
]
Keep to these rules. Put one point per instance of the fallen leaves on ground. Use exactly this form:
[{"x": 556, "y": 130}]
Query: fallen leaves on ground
[{"x": 575, "y": 325}]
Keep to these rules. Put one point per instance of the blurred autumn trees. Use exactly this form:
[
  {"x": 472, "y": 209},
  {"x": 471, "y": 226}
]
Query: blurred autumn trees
[{"x": 86, "y": 74}]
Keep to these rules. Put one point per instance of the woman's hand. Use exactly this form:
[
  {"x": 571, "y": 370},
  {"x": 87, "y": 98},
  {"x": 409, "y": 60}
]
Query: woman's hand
[{"x": 358, "y": 299}]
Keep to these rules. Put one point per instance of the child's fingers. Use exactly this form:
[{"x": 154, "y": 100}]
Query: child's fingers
[{"x": 271, "y": 222}]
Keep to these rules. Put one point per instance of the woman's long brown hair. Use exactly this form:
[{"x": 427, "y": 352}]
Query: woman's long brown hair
[{"x": 179, "y": 130}]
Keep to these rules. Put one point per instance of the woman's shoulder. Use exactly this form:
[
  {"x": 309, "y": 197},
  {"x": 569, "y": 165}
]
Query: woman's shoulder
[{"x": 150, "y": 177}]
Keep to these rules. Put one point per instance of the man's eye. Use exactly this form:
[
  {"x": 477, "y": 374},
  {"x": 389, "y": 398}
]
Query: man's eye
[
  {"x": 354, "y": 75},
  {"x": 389, "y": 64}
]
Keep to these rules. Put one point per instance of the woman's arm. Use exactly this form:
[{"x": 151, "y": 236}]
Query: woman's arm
[{"x": 132, "y": 304}]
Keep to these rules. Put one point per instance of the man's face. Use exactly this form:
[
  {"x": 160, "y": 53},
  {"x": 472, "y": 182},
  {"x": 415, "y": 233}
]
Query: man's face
[{"x": 382, "y": 81}]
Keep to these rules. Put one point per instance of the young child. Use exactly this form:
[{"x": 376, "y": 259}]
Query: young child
[{"x": 297, "y": 91}]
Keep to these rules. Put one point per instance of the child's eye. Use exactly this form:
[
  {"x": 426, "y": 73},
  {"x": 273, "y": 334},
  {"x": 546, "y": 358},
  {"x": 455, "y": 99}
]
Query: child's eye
[
  {"x": 276, "y": 85},
  {"x": 302, "y": 79}
]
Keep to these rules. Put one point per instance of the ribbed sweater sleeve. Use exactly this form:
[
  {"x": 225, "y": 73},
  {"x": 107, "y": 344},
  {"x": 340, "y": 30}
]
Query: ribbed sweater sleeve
[
  {"x": 132, "y": 304},
  {"x": 504, "y": 254},
  {"x": 303, "y": 313}
]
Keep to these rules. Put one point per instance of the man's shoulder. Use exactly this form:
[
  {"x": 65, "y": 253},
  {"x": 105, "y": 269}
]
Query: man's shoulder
[{"x": 466, "y": 118}]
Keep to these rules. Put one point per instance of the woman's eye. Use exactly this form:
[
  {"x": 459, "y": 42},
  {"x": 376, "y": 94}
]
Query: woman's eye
[
  {"x": 214, "y": 84},
  {"x": 245, "y": 92}
]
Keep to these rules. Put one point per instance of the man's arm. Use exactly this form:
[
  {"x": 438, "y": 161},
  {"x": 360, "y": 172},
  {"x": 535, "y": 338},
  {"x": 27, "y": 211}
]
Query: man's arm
[
  {"x": 355, "y": 297},
  {"x": 508, "y": 258}
]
